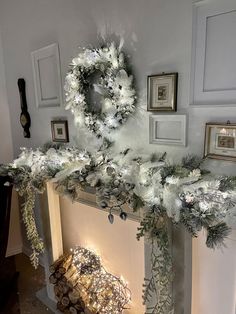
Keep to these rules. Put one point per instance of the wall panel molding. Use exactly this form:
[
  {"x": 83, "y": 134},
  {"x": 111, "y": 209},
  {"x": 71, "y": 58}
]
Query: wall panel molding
[
  {"x": 213, "y": 56},
  {"x": 47, "y": 76}
]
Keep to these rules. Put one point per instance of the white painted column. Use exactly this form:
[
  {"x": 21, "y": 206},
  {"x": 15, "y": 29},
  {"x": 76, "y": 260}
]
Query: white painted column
[{"x": 51, "y": 223}]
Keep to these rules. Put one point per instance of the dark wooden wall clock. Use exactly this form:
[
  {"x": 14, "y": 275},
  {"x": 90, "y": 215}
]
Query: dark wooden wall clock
[{"x": 24, "y": 116}]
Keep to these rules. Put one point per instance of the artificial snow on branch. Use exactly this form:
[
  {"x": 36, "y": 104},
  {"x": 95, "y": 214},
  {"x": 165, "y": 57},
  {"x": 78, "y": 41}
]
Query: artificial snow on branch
[{"x": 189, "y": 197}]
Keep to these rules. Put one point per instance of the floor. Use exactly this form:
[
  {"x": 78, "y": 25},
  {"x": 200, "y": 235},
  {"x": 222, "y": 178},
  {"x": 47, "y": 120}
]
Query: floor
[
  {"x": 9, "y": 300},
  {"x": 24, "y": 300}
]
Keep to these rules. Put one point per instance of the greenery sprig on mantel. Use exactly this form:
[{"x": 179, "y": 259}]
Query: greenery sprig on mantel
[{"x": 183, "y": 194}]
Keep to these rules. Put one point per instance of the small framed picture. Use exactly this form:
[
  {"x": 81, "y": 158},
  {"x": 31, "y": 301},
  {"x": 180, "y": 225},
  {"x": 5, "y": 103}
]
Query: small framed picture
[
  {"x": 220, "y": 141},
  {"x": 60, "y": 131},
  {"x": 162, "y": 92}
]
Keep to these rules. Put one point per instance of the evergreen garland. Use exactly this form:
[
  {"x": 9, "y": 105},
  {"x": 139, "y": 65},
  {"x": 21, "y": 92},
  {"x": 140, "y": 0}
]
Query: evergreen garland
[
  {"x": 154, "y": 227},
  {"x": 187, "y": 196}
]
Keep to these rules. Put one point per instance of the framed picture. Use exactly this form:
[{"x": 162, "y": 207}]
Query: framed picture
[
  {"x": 47, "y": 76},
  {"x": 167, "y": 130},
  {"x": 60, "y": 131},
  {"x": 220, "y": 141},
  {"x": 162, "y": 92}
]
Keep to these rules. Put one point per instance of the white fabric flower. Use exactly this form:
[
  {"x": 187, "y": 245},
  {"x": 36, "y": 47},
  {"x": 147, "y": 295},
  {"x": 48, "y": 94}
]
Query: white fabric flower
[
  {"x": 172, "y": 180},
  {"x": 172, "y": 202}
]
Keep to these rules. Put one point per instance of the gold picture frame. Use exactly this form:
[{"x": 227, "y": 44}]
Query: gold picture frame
[
  {"x": 162, "y": 92},
  {"x": 220, "y": 141}
]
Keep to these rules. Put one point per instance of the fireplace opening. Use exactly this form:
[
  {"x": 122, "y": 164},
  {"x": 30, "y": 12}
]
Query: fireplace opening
[
  {"x": 83, "y": 285},
  {"x": 122, "y": 255}
]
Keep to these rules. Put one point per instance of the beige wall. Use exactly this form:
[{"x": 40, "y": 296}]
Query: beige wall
[{"x": 121, "y": 253}]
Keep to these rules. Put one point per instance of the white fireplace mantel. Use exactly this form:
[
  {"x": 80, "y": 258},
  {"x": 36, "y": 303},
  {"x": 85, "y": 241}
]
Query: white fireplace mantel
[{"x": 52, "y": 229}]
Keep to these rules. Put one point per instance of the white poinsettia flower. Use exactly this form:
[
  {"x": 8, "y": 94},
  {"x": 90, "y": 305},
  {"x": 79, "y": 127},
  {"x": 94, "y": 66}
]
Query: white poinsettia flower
[
  {"x": 32, "y": 159},
  {"x": 58, "y": 159},
  {"x": 79, "y": 98},
  {"x": 129, "y": 173},
  {"x": 195, "y": 173},
  {"x": 156, "y": 178},
  {"x": 22, "y": 160},
  {"x": 70, "y": 168},
  {"x": 70, "y": 100},
  {"x": 172, "y": 180},
  {"x": 123, "y": 82},
  {"x": 77, "y": 61},
  {"x": 204, "y": 206},
  {"x": 172, "y": 202},
  {"x": 111, "y": 121},
  {"x": 212, "y": 185},
  {"x": 71, "y": 82},
  {"x": 147, "y": 193}
]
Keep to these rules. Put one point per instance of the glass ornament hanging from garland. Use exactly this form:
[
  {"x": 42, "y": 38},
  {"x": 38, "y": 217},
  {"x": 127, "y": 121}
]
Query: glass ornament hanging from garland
[{"x": 114, "y": 87}]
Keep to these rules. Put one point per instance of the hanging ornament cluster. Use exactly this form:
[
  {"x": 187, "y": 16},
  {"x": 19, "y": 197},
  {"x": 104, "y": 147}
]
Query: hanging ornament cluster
[{"x": 115, "y": 88}]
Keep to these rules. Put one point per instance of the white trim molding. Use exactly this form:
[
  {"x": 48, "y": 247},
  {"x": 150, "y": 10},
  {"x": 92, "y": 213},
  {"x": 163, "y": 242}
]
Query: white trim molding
[
  {"x": 14, "y": 251},
  {"x": 167, "y": 129},
  {"x": 47, "y": 76},
  {"x": 213, "y": 79}
]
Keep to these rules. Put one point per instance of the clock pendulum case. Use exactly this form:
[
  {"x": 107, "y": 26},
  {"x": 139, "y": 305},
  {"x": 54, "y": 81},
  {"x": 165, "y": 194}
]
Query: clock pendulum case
[{"x": 24, "y": 116}]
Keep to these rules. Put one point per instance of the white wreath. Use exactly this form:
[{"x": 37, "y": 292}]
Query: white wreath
[{"x": 118, "y": 96}]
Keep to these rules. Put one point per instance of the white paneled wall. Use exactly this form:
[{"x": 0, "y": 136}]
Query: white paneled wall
[{"x": 158, "y": 37}]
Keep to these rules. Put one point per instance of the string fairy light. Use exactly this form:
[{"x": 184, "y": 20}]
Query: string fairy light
[{"x": 101, "y": 291}]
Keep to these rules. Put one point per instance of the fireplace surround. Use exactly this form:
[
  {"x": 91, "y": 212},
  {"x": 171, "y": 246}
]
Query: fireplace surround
[{"x": 55, "y": 213}]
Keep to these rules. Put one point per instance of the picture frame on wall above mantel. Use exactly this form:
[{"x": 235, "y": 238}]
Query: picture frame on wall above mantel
[
  {"x": 162, "y": 92},
  {"x": 47, "y": 76},
  {"x": 220, "y": 141},
  {"x": 60, "y": 131}
]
